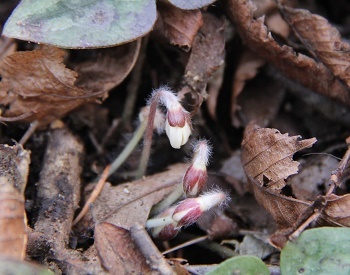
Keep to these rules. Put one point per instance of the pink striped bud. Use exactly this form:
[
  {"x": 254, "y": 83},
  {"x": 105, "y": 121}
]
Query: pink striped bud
[
  {"x": 178, "y": 120},
  {"x": 167, "y": 228},
  {"x": 196, "y": 175},
  {"x": 189, "y": 210}
]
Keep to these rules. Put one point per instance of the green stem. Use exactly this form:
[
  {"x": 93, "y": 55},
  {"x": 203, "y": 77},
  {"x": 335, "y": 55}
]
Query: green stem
[
  {"x": 169, "y": 200},
  {"x": 159, "y": 222},
  {"x": 129, "y": 148}
]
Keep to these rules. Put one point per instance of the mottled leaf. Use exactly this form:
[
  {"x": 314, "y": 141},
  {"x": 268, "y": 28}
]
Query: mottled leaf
[
  {"x": 191, "y": 4},
  {"x": 241, "y": 265},
  {"x": 15, "y": 267},
  {"x": 80, "y": 23},
  {"x": 318, "y": 251}
]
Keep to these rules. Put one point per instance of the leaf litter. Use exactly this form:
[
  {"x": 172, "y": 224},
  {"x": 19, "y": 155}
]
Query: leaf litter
[{"x": 252, "y": 64}]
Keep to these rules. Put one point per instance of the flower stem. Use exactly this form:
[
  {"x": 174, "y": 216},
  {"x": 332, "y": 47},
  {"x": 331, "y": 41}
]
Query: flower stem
[
  {"x": 159, "y": 222},
  {"x": 129, "y": 148},
  {"x": 148, "y": 137},
  {"x": 169, "y": 200}
]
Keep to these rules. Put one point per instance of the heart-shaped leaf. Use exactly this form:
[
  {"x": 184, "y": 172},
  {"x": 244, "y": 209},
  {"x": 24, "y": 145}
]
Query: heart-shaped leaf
[
  {"x": 324, "y": 250},
  {"x": 191, "y": 4},
  {"x": 241, "y": 265},
  {"x": 81, "y": 23}
]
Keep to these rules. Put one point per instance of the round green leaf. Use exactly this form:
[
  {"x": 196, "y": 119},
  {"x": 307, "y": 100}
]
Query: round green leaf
[
  {"x": 81, "y": 23},
  {"x": 16, "y": 267},
  {"x": 324, "y": 250},
  {"x": 241, "y": 265},
  {"x": 191, "y": 4}
]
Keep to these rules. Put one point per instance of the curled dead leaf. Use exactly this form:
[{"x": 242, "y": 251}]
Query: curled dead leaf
[
  {"x": 267, "y": 155},
  {"x": 322, "y": 39},
  {"x": 298, "y": 67},
  {"x": 14, "y": 168},
  {"x": 180, "y": 26},
  {"x": 36, "y": 85},
  {"x": 117, "y": 252}
]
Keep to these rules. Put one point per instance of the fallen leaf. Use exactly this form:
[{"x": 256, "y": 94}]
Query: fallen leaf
[
  {"x": 79, "y": 24},
  {"x": 322, "y": 39},
  {"x": 284, "y": 210},
  {"x": 180, "y": 26},
  {"x": 297, "y": 67},
  {"x": 247, "y": 68},
  {"x": 267, "y": 155},
  {"x": 14, "y": 168},
  {"x": 117, "y": 251},
  {"x": 337, "y": 210},
  {"x": 128, "y": 203},
  {"x": 37, "y": 85},
  {"x": 213, "y": 88},
  {"x": 207, "y": 55},
  {"x": 260, "y": 101}
]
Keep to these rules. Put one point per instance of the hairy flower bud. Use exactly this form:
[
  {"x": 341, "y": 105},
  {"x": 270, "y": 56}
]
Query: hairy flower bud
[
  {"x": 196, "y": 175},
  {"x": 189, "y": 210},
  {"x": 166, "y": 231},
  {"x": 177, "y": 125}
]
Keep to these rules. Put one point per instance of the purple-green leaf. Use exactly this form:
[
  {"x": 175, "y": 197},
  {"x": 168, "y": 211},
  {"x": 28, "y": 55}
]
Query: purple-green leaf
[
  {"x": 81, "y": 23},
  {"x": 191, "y": 4}
]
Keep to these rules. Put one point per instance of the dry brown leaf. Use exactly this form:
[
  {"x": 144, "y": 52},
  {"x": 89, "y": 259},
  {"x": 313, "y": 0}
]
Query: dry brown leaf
[
  {"x": 267, "y": 155},
  {"x": 180, "y": 26},
  {"x": 208, "y": 50},
  {"x": 298, "y": 67},
  {"x": 338, "y": 209},
  {"x": 247, "y": 68},
  {"x": 260, "y": 101},
  {"x": 128, "y": 203},
  {"x": 213, "y": 88},
  {"x": 117, "y": 251},
  {"x": 284, "y": 210},
  {"x": 322, "y": 39},
  {"x": 14, "y": 168},
  {"x": 37, "y": 85}
]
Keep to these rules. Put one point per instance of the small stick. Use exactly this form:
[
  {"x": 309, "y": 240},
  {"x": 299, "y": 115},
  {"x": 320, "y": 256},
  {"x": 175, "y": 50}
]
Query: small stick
[
  {"x": 301, "y": 228},
  {"x": 191, "y": 242},
  {"x": 97, "y": 190},
  {"x": 33, "y": 126},
  {"x": 146, "y": 246}
]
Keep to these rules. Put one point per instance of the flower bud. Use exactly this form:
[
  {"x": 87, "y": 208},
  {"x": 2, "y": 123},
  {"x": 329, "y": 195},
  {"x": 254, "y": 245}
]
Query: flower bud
[
  {"x": 165, "y": 231},
  {"x": 189, "y": 210},
  {"x": 196, "y": 175},
  {"x": 177, "y": 125}
]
